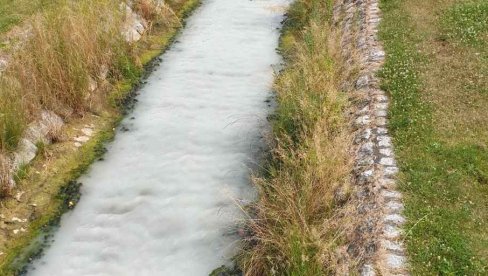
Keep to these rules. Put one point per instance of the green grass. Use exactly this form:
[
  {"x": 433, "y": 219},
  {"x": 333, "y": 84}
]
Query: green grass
[
  {"x": 467, "y": 23},
  {"x": 444, "y": 173},
  {"x": 12, "y": 12},
  {"x": 12, "y": 121}
]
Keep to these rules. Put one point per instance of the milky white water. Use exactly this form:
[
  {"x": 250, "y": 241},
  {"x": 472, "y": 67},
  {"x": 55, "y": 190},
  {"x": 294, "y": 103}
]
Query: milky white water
[{"x": 163, "y": 200}]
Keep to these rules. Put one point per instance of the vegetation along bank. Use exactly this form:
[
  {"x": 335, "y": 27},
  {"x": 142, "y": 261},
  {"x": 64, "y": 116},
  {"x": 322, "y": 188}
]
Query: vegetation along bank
[
  {"x": 315, "y": 215},
  {"x": 62, "y": 96}
]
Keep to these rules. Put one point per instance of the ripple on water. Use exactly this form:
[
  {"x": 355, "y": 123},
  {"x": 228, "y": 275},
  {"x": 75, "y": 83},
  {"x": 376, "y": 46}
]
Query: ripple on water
[{"x": 163, "y": 201}]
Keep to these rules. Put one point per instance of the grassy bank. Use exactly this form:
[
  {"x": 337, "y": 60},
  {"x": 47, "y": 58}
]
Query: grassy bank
[
  {"x": 69, "y": 46},
  {"x": 437, "y": 59},
  {"x": 295, "y": 228},
  {"x": 13, "y": 13},
  {"x": 49, "y": 184}
]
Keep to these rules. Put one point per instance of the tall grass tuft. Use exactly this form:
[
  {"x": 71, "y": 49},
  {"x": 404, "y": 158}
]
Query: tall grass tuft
[
  {"x": 71, "y": 46},
  {"x": 295, "y": 226},
  {"x": 5, "y": 177},
  {"x": 12, "y": 115}
]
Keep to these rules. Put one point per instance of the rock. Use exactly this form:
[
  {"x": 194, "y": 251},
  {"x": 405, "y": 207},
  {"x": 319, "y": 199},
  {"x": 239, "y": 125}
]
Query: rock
[
  {"x": 53, "y": 122},
  {"x": 381, "y": 106},
  {"x": 363, "y": 136},
  {"x": 392, "y": 245},
  {"x": 363, "y": 111},
  {"x": 381, "y": 98},
  {"x": 387, "y": 161},
  {"x": 82, "y": 139},
  {"x": 103, "y": 72},
  {"x": 26, "y": 152},
  {"x": 391, "y": 232},
  {"x": 394, "y": 219},
  {"x": 16, "y": 219},
  {"x": 386, "y": 152},
  {"x": 391, "y": 171},
  {"x": 368, "y": 173},
  {"x": 366, "y": 149},
  {"x": 16, "y": 231},
  {"x": 134, "y": 25},
  {"x": 367, "y": 270},
  {"x": 391, "y": 195},
  {"x": 87, "y": 131},
  {"x": 384, "y": 141},
  {"x": 363, "y": 120},
  {"x": 3, "y": 63},
  {"x": 380, "y": 113},
  {"x": 92, "y": 84},
  {"x": 395, "y": 261},
  {"x": 381, "y": 130},
  {"x": 45, "y": 130},
  {"x": 362, "y": 81},
  {"x": 394, "y": 207},
  {"x": 19, "y": 195}
]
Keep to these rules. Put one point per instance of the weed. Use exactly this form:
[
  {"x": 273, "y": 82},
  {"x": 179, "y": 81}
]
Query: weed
[
  {"x": 5, "y": 177},
  {"x": 21, "y": 172},
  {"x": 12, "y": 117},
  {"x": 294, "y": 226}
]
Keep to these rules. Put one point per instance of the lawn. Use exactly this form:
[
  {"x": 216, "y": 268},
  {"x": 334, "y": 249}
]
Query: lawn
[{"x": 436, "y": 76}]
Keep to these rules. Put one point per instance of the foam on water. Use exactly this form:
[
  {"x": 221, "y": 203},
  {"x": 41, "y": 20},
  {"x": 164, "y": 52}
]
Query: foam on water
[{"x": 162, "y": 201}]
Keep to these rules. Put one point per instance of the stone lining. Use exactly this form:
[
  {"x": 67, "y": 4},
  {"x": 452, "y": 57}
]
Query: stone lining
[{"x": 379, "y": 233}]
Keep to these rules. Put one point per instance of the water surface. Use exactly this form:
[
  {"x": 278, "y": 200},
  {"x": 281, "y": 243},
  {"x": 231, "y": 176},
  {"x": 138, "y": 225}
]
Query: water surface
[{"x": 162, "y": 201}]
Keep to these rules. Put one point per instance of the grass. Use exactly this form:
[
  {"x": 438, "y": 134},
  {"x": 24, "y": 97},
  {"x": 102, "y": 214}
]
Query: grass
[
  {"x": 294, "y": 221},
  {"x": 50, "y": 181},
  {"x": 12, "y": 119},
  {"x": 71, "y": 44},
  {"x": 13, "y": 12},
  {"x": 53, "y": 182},
  {"x": 52, "y": 70},
  {"x": 5, "y": 176},
  {"x": 436, "y": 75}
]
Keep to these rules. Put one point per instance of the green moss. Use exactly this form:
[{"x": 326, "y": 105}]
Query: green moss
[{"x": 71, "y": 167}]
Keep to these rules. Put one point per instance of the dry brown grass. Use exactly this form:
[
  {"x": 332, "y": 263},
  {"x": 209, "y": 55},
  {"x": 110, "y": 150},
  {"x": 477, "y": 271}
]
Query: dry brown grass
[
  {"x": 5, "y": 177},
  {"x": 70, "y": 46},
  {"x": 297, "y": 225}
]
